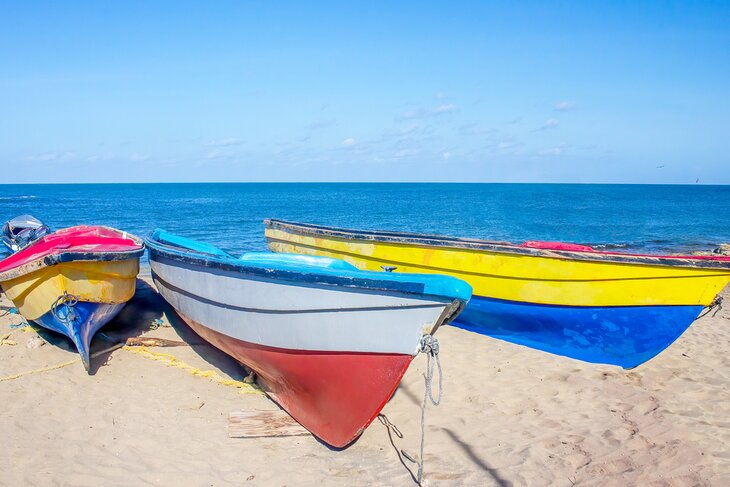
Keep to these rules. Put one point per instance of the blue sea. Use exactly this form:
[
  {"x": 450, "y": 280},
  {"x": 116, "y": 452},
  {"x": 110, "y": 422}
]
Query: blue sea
[{"x": 645, "y": 218}]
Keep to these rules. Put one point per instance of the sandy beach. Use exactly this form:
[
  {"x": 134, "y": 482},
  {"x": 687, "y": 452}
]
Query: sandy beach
[{"x": 509, "y": 416}]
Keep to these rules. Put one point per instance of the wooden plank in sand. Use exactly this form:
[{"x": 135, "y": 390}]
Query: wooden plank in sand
[{"x": 257, "y": 424}]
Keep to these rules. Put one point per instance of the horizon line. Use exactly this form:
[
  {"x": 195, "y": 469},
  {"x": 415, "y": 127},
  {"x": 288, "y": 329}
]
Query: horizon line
[{"x": 360, "y": 182}]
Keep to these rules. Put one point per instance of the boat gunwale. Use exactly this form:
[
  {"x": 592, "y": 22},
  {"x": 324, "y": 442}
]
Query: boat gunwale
[
  {"x": 63, "y": 256},
  {"x": 443, "y": 241},
  {"x": 315, "y": 276}
]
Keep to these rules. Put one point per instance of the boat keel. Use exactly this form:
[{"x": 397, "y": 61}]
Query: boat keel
[{"x": 80, "y": 327}]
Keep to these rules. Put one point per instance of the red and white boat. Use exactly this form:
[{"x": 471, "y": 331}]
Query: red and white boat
[{"x": 328, "y": 342}]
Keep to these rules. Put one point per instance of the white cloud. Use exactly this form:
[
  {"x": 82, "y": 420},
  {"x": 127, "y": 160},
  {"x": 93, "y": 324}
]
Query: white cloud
[
  {"x": 348, "y": 142},
  {"x": 408, "y": 130},
  {"x": 446, "y": 155},
  {"x": 550, "y": 123},
  {"x": 223, "y": 142},
  {"x": 475, "y": 129},
  {"x": 107, "y": 156},
  {"x": 213, "y": 154},
  {"x": 448, "y": 108},
  {"x": 554, "y": 151},
  {"x": 506, "y": 145},
  {"x": 565, "y": 105},
  {"x": 138, "y": 157}
]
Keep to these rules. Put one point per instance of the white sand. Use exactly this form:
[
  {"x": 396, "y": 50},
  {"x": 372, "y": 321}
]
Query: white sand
[{"x": 510, "y": 416}]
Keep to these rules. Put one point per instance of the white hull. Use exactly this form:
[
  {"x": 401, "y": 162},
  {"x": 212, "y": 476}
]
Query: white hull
[{"x": 297, "y": 316}]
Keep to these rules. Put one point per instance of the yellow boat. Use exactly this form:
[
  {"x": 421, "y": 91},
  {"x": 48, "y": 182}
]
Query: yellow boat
[
  {"x": 73, "y": 281},
  {"x": 602, "y": 307}
]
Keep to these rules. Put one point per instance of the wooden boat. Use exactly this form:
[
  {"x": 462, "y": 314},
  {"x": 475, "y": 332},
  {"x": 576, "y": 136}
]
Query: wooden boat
[
  {"x": 73, "y": 281},
  {"x": 328, "y": 342},
  {"x": 604, "y": 307}
]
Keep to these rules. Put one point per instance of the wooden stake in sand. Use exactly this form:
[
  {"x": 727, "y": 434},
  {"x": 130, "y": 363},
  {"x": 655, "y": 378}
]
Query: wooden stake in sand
[{"x": 257, "y": 424}]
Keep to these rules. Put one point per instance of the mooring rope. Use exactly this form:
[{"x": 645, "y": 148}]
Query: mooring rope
[
  {"x": 716, "y": 304},
  {"x": 143, "y": 351},
  {"x": 429, "y": 346},
  {"x": 68, "y": 301},
  {"x": 212, "y": 375},
  {"x": 59, "y": 366}
]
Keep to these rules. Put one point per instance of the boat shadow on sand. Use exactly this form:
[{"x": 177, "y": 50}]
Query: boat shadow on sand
[
  {"x": 136, "y": 319},
  {"x": 148, "y": 305}
]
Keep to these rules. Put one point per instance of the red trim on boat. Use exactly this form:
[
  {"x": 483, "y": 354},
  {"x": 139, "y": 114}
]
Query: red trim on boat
[
  {"x": 570, "y": 247},
  {"x": 335, "y": 395},
  {"x": 79, "y": 239}
]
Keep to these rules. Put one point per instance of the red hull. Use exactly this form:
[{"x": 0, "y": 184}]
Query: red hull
[{"x": 335, "y": 395}]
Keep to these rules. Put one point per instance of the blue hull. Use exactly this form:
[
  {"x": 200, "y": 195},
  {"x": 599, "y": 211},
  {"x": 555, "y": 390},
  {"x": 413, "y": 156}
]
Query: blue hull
[
  {"x": 89, "y": 318},
  {"x": 626, "y": 336}
]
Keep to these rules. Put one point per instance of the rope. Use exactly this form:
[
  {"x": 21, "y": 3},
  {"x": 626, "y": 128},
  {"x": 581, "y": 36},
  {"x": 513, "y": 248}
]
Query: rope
[
  {"x": 715, "y": 304},
  {"x": 212, "y": 375},
  {"x": 386, "y": 422},
  {"x": 169, "y": 360},
  {"x": 429, "y": 346},
  {"x": 12, "y": 310},
  {"x": 5, "y": 340},
  {"x": 57, "y": 366},
  {"x": 68, "y": 301}
]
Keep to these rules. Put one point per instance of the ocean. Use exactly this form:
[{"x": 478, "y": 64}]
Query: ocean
[{"x": 641, "y": 218}]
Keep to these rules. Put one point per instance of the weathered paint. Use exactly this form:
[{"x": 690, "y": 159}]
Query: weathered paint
[
  {"x": 538, "y": 278},
  {"x": 96, "y": 266},
  {"x": 94, "y": 282},
  {"x": 335, "y": 395},
  {"x": 329, "y": 343}
]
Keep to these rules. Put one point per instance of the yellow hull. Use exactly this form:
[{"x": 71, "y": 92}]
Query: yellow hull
[
  {"x": 519, "y": 277},
  {"x": 110, "y": 282}
]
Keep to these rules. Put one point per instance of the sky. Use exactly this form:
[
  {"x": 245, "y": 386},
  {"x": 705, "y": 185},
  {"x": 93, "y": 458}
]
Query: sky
[{"x": 590, "y": 92}]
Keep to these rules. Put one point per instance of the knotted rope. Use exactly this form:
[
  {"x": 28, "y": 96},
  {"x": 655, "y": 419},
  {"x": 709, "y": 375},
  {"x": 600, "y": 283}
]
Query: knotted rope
[
  {"x": 67, "y": 301},
  {"x": 430, "y": 346}
]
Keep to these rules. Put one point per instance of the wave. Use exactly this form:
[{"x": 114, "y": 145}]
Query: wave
[{"x": 21, "y": 197}]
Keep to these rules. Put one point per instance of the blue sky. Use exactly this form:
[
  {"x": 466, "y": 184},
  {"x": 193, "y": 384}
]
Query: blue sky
[{"x": 634, "y": 92}]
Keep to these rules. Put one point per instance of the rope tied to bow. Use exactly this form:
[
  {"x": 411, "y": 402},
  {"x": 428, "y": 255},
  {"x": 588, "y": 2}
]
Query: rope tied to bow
[
  {"x": 430, "y": 346},
  {"x": 66, "y": 302},
  {"x": 716, "y": 304}
]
